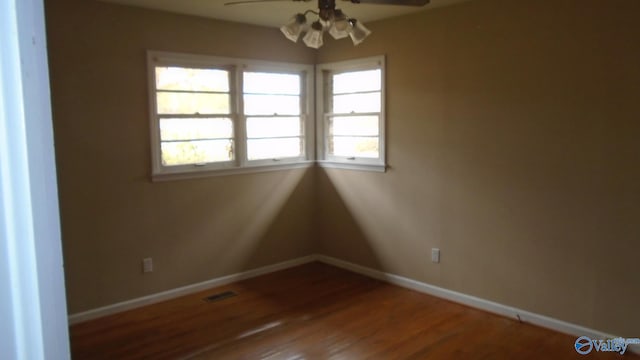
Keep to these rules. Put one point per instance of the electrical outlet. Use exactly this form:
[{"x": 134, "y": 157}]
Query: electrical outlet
[
  {"x": 147, "y": 265},
  {"x": 435, "y": 255}
]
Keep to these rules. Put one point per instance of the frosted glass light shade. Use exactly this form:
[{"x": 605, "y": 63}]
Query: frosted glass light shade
[
  {"x": 294, "y": 27},
  {"x": 337, "y": 33},
  {"x": 340, "y": 26},
  {"x": 313, "y": 38},
  {"x": 358, "y": 32}
]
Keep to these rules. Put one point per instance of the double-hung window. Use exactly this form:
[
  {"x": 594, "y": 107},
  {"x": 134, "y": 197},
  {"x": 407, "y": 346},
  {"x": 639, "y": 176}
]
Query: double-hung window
[
  {"x": 194, "y": 117},
  {"x": 274, "y": 120},
  {"x": 212, "y": 115},
  {"x": 350, "y": 105}
]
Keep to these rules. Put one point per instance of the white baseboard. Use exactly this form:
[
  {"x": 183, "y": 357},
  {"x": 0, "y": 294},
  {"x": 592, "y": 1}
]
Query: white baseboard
[
  {"x": 475, "y": 302},
  {"x": 472, "y": 301},
  {"x": 184, "y": 290}
]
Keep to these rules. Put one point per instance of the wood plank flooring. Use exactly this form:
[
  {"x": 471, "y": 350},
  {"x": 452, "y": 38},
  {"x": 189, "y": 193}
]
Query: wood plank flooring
[{"x": 316, "y": 311}]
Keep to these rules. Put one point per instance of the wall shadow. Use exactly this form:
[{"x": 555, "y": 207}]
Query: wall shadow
[
  {"x": 340, "y": 233},
  {"x": 289, "y": 232}
]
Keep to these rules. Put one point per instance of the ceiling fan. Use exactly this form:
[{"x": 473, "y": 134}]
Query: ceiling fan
[
  {"x": 378, "y": 2},
  {"x": 330, "y": 19}
]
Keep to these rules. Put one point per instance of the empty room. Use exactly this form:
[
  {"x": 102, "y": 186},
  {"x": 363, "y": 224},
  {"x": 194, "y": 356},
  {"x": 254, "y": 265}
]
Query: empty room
[{"x": 453, "y": 179}]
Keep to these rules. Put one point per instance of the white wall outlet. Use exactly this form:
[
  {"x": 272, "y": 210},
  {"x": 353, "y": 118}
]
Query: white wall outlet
[
  {"x": 435, "y": 255},
  {"x": 147, "y": 265}
]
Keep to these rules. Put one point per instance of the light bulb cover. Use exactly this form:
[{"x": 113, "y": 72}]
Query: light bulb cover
[
  {"x": 340, "y": 26},
  {"x": 358, "y": 31},
  {"x": 313, "y": 38},
  {"x": 294, "y": 27}
]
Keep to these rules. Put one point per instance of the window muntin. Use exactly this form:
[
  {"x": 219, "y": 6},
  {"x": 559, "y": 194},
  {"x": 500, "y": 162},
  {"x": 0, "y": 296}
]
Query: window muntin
[
  {"x": 354, "y": 136},
  {"x": 181, "y": 90},
  {"x": 192, "y": 79},
  {"x": 271, "y": 104},
  {"x": 271, "y": 83},
  {"x": 196, "y": 140},
  {"x": 272, "y": 127},
  {"x": 357, "y": 81},
  {"x": 356, "y": 103},
  {"x": 173, "y": 102},
  {"x": 356, "y": 91},
  {"x": 196, "y": 152}
]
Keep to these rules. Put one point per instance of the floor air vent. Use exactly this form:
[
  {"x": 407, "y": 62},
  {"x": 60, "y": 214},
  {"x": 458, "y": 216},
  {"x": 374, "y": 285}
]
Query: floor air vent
[{"x": 220, "y": 296}]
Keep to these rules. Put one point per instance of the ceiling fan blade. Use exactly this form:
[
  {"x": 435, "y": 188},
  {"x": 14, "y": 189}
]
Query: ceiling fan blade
[
  {"x": 241, "y": 2},
  {"x": 392, "y": 2}
]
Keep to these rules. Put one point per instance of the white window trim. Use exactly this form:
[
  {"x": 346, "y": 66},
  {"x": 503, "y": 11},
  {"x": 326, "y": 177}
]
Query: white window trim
[
  {"x": 343, "y": 162},
  {"x": 240, "y": 164},
  {"x": 306, "y": 113}
]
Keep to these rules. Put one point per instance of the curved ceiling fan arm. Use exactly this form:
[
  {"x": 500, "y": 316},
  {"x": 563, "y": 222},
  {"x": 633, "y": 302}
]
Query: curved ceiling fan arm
[
  {"x": 242, "y": 2},
  {"x": 391, "y": 2}
]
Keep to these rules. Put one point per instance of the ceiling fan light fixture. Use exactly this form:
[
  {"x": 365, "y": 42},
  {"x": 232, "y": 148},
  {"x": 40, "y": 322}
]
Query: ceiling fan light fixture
[
  {"x": 340, "y": 20},
  {"x": 329, "y": 19},
  {"x": 294, "y": 27},
  {"x": 313, "y": 38},
  {"x": 338, "y": 34},
  {"x": 358, "y": 31},
  {"x": 340, "y": 26}
]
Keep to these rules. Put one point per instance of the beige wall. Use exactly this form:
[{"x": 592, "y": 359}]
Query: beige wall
[
  {"x": 512, "y": 140},
  {"x": 513, "y": 143},
  {"x": 112, "y": 214}
]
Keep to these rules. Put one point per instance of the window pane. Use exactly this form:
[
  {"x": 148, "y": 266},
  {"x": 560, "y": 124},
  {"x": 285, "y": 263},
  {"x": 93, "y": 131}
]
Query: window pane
[
  {"x": 196, "y": 152},
  {"x": 270, "y": 83},
  {"x": 354, "y": 125},
  {"x": 271, "y": 105},
  {"x": 273, "y": 127},
  {"x": 177, "y": 78},
  {"x": 187, "y": 103},
  {"x": 345, "y": 104},
  {"x": 273, "y": 148},
  {"x": 354, "y": 146},
  {"x": 193, "y": 129},
  {"x": 357, "y": 81}
]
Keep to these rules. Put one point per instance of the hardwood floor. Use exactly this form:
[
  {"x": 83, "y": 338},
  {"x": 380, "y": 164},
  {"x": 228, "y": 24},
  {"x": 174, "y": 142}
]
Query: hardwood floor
[{"x": 316, "y": 311}]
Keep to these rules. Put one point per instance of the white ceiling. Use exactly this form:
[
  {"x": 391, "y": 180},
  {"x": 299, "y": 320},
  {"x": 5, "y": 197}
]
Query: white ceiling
[{"x": 274, "y": 14}]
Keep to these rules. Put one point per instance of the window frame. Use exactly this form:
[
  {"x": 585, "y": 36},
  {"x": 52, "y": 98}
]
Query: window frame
[
  {"x": 322, "y": 125},
  {"x": 306, "y": 112},
  {"x": 240, "y": 162}
]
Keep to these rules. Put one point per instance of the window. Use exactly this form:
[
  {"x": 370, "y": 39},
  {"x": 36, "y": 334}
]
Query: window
[
  {"x": 274, "y": 123},
  {"x": 193, "y": 107},
  {"x": 212, "y": 115},
  {"x": 350, "y": 102}
]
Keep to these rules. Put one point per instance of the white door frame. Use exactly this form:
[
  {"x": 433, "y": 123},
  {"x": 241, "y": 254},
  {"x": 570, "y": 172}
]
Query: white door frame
[{"x": 33, "y": 314}]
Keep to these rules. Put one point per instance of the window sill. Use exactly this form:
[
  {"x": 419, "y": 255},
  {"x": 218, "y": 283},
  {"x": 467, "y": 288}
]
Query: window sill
[
  {"x": 352, "y": 166},
  {"x": 264, "y": 168},
  {"x": 230, "y": 171}
]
